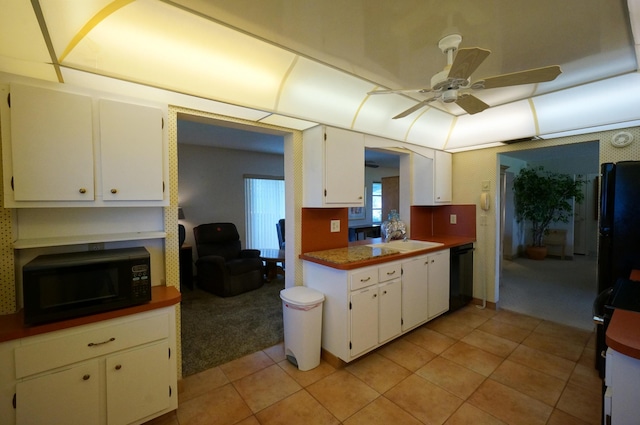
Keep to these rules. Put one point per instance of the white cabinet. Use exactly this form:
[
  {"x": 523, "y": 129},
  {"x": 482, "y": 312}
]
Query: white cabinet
[
  {"x": 621, "y": 400},
  {"x": 70, "y": 396},
  {"x": 63, "y": 149},
  {"x": 333, "y": 168},
  {"x": 431, "y": 178},
  {"x": 415, "y": 292},
  {"x": 363, "y": 309},
  {"x": 389, "y": 310},
  {"x": 367, "y": 307},
  {"x": 425, "y": 288},
  {"x": 131, "y": 152},
  {"x": 50, "y": 146},
  {"x": 439, "y": 283},
  {"x": 119, "y": 371},
  {"x": 138, "y": 383}
]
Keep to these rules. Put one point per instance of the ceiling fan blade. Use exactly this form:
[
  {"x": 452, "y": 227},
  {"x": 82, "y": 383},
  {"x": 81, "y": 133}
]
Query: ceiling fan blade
[
  {"x": 390, "y": 91},
  {"x": 466, "y": 61},
  {"x": 414, "y": 108},
  {"x": 537, "y": 75},
  {"x": 471, "y": 104}
]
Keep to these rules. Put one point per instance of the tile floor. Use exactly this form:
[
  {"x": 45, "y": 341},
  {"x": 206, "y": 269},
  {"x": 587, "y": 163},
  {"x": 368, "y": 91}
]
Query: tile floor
[{"x": 469, "y": 367}]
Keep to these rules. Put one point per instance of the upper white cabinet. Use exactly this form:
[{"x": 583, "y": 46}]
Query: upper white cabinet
[
  {"x": 63, "y": 149},
  {"x": 431, "y": 179},
  {"x": 333, "y": 168},
  {"x": 131, "y": 152},
  {"x": 51, "y": 149}
]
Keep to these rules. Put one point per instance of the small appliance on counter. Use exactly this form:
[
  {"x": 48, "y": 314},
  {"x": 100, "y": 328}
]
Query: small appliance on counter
[{"x": 64, "y": 286}]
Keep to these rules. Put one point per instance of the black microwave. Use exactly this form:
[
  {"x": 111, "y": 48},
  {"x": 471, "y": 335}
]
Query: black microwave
[{"x": 64, "y": 286}]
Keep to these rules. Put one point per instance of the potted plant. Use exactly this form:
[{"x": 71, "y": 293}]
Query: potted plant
[{"x": 543, "y": 197}]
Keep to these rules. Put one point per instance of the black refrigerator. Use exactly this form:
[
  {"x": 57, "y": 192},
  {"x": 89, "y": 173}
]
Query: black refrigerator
[{"x": 618, "y": 245}]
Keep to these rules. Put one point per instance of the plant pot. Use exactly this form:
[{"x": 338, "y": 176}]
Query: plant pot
[{"x": 536, "y": 252}]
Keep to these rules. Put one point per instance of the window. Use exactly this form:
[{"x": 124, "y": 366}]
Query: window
[
  {"x": 264, "y": 206},
  {"x": 376, "y": 202}
]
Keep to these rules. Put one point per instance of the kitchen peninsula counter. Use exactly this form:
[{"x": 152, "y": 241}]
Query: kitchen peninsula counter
[
  {"x": 358, "y": 254},
  {"x": 12, "y": 325}
]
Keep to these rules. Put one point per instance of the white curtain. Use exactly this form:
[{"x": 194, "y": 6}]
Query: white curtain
[{"x": 264, "y": 206}]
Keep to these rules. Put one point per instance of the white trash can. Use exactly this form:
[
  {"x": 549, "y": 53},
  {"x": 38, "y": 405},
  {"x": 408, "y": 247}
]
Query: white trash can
[{"x": 302, "y": 319}]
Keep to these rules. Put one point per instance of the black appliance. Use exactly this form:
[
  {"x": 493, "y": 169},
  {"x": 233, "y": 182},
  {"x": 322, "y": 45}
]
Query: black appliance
[
  {"x": 461, "y": 276},
  {"x": 63, "y": 286},
  {"x": 619, "y": 243}
]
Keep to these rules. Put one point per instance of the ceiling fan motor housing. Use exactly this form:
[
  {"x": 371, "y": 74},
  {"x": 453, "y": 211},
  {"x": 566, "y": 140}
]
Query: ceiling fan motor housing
[{"x": 449, "y": 96}]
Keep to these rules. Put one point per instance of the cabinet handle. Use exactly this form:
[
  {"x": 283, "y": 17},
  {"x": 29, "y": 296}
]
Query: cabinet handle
[
  {"x": 93, "y": 344},
  {"x": 391, "y": 273},
  {"x": 86, "y": 377},
  {"x": 118, "y": 366},
  {"x": 366, "y": 280},
  {"x": 82, "y": 190},
  {"x": 375, "y": 295},
  {"x": 114, "y": 191},
  {"x": 384, "y": 293}
]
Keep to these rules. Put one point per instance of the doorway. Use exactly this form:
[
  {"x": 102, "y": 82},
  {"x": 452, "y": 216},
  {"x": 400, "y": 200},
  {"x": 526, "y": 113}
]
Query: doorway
[{"x": 553, "y": 289}]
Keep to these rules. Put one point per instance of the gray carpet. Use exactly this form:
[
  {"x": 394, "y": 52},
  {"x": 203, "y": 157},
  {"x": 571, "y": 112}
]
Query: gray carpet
[
  {"x": 216, "y": 330},
  {"x": 555, "y": 290}
]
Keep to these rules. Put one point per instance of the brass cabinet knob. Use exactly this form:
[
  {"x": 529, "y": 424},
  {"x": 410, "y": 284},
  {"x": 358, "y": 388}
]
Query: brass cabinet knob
[
  {"x": 118, "y": 366},
  {"x": 82, "y": 190},
  {"x": 86, "y": 377},
  {"x": 114, "y": 191}
]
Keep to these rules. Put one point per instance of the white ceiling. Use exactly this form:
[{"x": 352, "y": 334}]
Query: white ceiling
[{"x": 308, "y": 61}]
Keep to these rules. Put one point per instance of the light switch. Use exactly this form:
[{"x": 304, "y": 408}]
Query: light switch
[
  {"x": 453, "y": 219},
  {"x": 335, "y": 226}
]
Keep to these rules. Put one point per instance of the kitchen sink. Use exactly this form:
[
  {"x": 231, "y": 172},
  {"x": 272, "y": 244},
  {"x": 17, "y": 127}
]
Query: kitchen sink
[{"x": 406, "y": 245}]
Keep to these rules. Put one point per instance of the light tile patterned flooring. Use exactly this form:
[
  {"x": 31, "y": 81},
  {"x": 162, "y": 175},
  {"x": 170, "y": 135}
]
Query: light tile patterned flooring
[{"x": 469, "y": 367}]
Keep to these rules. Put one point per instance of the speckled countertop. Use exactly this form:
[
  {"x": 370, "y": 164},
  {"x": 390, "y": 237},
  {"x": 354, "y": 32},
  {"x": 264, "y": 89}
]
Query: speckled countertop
[
  {"x": 351, "y": 254},
  {"x": 358, "y": 254}
]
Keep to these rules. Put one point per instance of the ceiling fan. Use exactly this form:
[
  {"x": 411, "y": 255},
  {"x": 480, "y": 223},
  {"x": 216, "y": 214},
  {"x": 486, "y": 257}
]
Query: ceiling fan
[{"x": 453, "y": 83}]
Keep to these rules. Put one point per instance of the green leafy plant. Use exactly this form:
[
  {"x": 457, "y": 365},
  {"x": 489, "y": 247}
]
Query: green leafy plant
[{"x": 543, "y": 197}]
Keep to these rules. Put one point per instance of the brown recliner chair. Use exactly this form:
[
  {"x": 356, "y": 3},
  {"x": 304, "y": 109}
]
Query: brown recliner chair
[{"x": 223, "y": 267}]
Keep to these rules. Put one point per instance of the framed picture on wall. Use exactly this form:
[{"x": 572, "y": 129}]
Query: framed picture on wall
[
  {"x": 356, "y": 213},
  {"x": 359, "y": 213}
]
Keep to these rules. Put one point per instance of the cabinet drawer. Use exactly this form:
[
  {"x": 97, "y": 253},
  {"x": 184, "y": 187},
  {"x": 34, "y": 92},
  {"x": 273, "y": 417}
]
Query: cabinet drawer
[
  {"x": 364, "y": 278},
  {"x": 85, "y": 342},
  {"x": 388, "y": 272}
]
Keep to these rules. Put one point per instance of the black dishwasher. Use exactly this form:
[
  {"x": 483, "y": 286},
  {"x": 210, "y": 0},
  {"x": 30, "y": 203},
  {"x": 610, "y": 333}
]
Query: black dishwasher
[{"x": 461, "y": 276}]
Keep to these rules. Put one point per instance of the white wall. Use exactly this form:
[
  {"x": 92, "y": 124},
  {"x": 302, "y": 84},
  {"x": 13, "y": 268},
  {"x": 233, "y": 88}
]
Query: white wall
[{"x": 211, "y": 184}]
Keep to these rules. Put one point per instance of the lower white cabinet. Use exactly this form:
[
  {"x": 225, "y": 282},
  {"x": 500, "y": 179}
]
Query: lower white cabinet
[
  {"x": 119, "y": 371},
  {"x": 367, "y": 307},
  {"x": 363, "y": 309},
  {"x": 621, "y": 400},
  {"x": 439, "y": 288},
  {"x": 389, "y": 310}
]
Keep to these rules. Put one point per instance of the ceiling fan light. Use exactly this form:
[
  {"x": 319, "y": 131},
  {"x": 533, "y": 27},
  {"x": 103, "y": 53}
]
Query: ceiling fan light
[{"x": 449, "y": 96}]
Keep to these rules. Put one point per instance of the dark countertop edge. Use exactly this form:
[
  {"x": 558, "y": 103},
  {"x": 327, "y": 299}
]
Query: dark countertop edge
[
  {"x": 12, "y": 325},
  {"x": 623, "y": 333},
  {"x": 448, "y": 241}
]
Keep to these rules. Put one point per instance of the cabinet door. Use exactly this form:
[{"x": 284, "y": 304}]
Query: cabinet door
[
  {"x": 439, "y": 270},
  {"x": 131, "y": 144},
  {"x": 344, "y": 167},
  {"x": 414, "y": 292},
  {"x": 422, "y": 180},
  {"x": 364, "y": 319},
  {"x": 51, "y": 145},
  {"x": 68, "y": 397},
  {"x": 389, "y": 310},
  {"x": 138, "y": 383},
  {"x": 442, "y": 177}
]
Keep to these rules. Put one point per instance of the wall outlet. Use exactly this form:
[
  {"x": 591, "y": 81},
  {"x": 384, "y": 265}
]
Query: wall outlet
[
  {"x": 453, "y": 219},
  {"x": 483, "y": 220},
  {"x": 335, "y": 226}
]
